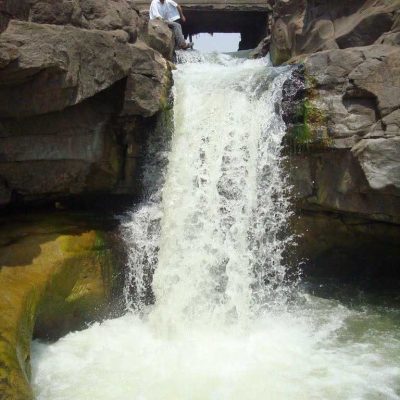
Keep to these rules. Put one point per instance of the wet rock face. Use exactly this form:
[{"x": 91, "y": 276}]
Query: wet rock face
[
  {"x": 72, "y": 74},
  {"x": 294, "y": 93},
  {"x": 262, "y": 49}
]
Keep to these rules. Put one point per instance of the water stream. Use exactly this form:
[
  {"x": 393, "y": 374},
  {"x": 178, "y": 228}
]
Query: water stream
[{"x": 214, "y": 313}]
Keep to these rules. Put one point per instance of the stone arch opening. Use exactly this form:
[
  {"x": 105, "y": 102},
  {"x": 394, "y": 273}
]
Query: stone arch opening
[{"x": 252, "y": 25}]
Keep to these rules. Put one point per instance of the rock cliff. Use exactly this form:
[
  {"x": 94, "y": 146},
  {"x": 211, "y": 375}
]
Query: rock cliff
[
  {"x": 77, "y": 81},
  {"x": 342, "y": 109}
]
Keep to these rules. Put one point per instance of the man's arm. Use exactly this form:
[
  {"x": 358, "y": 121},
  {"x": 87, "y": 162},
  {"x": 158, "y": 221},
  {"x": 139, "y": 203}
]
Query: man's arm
[{"x": 183, "y": 18}]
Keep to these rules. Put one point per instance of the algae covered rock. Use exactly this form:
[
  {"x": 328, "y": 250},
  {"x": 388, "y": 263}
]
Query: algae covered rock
[{"x": 56, "y": 275}]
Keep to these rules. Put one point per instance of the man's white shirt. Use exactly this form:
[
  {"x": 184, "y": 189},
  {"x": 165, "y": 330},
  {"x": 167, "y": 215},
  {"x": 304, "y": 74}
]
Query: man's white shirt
[{"x": 167, "y": 10}]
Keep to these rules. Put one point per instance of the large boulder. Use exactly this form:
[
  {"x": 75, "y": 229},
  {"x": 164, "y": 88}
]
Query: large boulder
[
  {"x": 56, "y": 274},
  {"x": 159, "y": 36},
  {"x": 379, "y": 75},
  {"x": 147, "y": 86},
  {"x": 55, "y": 66},
  {"x": 380, "y": 161}
]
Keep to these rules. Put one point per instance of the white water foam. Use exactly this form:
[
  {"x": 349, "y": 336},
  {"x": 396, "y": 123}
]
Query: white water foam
[{"x": 208, "y": 244}]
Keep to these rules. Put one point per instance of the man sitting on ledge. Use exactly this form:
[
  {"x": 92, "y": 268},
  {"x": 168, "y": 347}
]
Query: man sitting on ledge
[{"x": 172, "y": 13}]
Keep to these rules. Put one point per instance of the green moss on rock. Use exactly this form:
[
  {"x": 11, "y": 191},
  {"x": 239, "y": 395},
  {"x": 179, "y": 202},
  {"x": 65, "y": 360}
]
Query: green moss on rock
[
  {"x": 165, "y": 98},
  {"x": 311, "y": 130}
]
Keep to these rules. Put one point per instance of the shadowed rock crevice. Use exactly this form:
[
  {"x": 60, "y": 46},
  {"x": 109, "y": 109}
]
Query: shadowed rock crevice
[
  {"x": 66, "y": 151},
  {"x": 348, "y": 250}
]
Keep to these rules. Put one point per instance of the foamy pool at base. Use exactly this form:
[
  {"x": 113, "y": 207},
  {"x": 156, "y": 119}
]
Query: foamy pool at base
[{"x": 325, "y": 351}]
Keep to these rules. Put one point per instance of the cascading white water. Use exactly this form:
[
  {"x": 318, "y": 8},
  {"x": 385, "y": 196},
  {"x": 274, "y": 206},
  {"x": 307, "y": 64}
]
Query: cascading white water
[
  {"x": 225, "y": 197},
  {"x": 207, "y": 244},
  {"x": 224, "y": 200}
]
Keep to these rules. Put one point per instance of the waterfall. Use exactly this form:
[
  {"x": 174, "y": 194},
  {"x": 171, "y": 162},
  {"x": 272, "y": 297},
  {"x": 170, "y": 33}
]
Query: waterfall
[
  {"x": 211, "y": 312},
  {"x": 224, "y": 207}
]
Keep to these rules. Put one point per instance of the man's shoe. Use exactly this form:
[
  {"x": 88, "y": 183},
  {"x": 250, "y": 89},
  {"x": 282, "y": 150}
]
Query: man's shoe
[{"x": 187, "y": 46}]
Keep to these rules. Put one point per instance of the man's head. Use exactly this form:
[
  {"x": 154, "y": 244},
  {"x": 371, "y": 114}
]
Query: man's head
[{"x": 162, "y": 1}]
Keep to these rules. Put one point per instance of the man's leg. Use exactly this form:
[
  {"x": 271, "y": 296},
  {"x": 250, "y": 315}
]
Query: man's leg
[{"x": 180, "y": 40}]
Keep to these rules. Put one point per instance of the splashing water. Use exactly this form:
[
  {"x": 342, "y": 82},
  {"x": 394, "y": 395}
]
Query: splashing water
[
  {"x": 141, "y": 227},
  {"x": 207, "y": 245}
]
